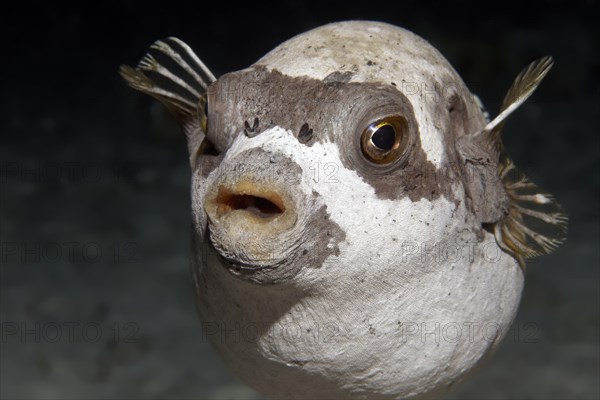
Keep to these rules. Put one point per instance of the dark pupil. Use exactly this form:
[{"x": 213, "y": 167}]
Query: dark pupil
[{"x": 384, "y": 138}]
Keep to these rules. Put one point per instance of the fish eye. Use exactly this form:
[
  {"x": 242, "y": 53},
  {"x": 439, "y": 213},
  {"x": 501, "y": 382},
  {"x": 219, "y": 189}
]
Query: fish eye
[{"x": 383, "y": 141}]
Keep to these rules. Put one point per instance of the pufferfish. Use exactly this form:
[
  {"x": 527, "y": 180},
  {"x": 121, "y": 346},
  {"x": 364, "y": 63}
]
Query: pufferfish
[{"x": 358, "y": 229}]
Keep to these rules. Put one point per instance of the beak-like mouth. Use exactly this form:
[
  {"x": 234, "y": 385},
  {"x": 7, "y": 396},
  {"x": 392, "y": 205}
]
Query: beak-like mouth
[{"x": 263, "y": 204}]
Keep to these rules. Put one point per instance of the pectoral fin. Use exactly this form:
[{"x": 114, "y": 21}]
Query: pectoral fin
[
  {"x": 532, "y": 223},
  {"x": 523, "y": 86},
  {"x": 176, "y": 77}
]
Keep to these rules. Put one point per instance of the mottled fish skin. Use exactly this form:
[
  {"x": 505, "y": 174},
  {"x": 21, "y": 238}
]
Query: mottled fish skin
[{"x": 321, "y": 273}]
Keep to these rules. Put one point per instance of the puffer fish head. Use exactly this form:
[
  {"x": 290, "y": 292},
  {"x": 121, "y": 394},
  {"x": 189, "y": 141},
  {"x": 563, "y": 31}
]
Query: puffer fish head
[{"x": 358, "y": 229}]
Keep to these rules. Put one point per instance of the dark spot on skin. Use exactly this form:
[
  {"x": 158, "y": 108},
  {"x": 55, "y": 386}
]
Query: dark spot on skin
[
  {"x": 247, "y": 128},
  {"x": 305, "y": 134},
  {"x": 251, "y": 131},
  {"x": 370, "y": 63}
]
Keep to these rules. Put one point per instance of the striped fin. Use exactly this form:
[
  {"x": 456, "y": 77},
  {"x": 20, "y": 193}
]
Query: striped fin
[
  {"x": 173, "y": 74},
  {"x": 534, "y": 223},
  {"x": 524, "y": 85}
]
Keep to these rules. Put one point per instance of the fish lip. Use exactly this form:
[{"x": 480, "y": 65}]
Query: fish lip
[
  {"x": 263, "y": 205},
  {"x": 248, "y": 237},
  {"x": 257, "y": 201}
]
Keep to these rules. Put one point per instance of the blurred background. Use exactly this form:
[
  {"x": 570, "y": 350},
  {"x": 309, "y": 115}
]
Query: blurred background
[{"x": 96, "y": 300}]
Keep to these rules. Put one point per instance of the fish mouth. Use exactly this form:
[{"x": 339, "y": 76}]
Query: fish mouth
[
  {"x": 254, "y": 215},
  {"x": 261, "y": 204},
  {"x": 251, "y": 225},
  {"x": 250, "y": 222}
]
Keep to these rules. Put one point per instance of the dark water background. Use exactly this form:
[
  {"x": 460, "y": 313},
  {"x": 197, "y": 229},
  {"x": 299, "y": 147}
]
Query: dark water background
[{"x": 96, "y": 300}]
